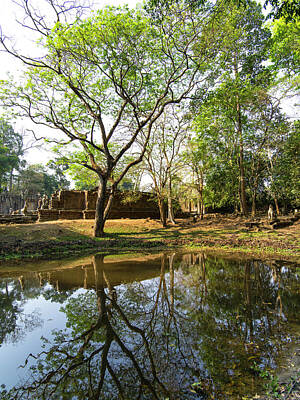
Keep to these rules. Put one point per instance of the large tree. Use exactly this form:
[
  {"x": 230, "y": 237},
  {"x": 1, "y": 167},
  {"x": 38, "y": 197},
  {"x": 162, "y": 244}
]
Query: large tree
[
  {"x": 198, "y": 161},
  {"x": 106, "y": 79}
]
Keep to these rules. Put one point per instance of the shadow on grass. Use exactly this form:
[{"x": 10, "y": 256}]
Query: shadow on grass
[
  {"x": 164, "y": 234},
  {"x": 156, "y": 233}
]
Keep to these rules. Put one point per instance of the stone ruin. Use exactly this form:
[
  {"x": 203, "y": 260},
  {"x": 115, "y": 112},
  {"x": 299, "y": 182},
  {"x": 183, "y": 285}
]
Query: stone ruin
[
  {"x": 14, "y": 202},
  {"x": 76, "y": 204}
]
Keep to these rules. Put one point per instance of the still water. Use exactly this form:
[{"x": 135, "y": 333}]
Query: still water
[{"x": 166, "y": 326}]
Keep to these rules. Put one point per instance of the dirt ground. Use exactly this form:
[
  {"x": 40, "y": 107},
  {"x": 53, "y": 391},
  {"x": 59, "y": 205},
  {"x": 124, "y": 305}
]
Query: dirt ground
[{"x": 222, "y": 232}]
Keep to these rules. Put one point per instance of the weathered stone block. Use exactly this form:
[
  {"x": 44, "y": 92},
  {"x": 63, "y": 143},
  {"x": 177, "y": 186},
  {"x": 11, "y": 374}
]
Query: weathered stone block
[
  {"x": 88, "y": 214},
  {"x": 48, "y": 215},
  {"x": 70, "y": 214},
  {"x": 90, "y": 200},
  {"x": 73, "y": 199},
  {"x": 56, "y": 202}
]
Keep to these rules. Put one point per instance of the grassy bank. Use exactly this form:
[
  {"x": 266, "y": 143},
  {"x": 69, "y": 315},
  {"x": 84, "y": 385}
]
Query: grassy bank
[{"x": 59, "y": 239}]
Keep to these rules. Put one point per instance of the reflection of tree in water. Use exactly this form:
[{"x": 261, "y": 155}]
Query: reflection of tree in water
[
  {"x": 206, "y": 323},
  {"x": 14, "y": 323},
  {"x": 240, "y": 313}
]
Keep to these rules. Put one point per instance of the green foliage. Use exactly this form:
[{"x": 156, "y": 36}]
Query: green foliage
[
  {"x": 83, "y": 178},
  {"x": 80, "y": 311},
  {"x": 106, "y": 80},
  {"x": 74, "y": 162},
  {"x": 288, "y": 10},
  {"x": 130, "y": 196},
  {"x": 239, "y": 120},
  {"x": 272, "y": 385},
  {"x": 36, "y": 179},
  {"x": 287, "y": 167},
  {"x": 285, "y": 50}
]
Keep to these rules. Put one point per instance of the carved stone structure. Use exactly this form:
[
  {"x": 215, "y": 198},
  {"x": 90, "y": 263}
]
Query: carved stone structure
[
  {"x": 75, "y": 204},
  {"x": 45, "y": 202},
  {"x": 12, "y": 202}
]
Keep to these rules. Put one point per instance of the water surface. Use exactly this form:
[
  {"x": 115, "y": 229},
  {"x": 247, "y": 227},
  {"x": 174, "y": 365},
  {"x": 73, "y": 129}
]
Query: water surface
[{"x": 166, "y": 326}]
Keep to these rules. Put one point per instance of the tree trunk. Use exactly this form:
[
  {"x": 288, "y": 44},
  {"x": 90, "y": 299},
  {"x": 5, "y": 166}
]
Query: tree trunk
[
  {"x": 253, "y": 210},
  {"x": 242, "y": 186},
  {"x": 10, "y": 180},
  {"x": 242, "y": 176},
  {"x": 162, "y": 211},
  {"x": 170, "y": 211},
  {"x": 198, "y": 207},
  {"x": 200, "y": 191},
  {"x": 100, "y": 208},
  {"x": 137, "y": 183},
  {"x": 276, "y": 204},
  {"x": 170, "y": 205},
  {"x": 272, "y": 182}
]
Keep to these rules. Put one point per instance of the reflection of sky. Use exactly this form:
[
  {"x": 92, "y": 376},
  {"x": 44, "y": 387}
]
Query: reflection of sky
[{"x": 13, "y": 355}]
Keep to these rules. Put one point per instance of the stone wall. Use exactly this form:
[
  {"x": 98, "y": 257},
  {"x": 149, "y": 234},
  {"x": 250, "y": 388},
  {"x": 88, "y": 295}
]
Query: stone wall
[
  {"x": 75, "y": 204},
  {"x": 69, "y": 200}
]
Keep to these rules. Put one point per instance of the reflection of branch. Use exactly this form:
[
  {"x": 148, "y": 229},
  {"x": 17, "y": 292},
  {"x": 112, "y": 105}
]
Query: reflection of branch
[
  {"x": 133, "y": 328},
  {"x": 162, "y": 274},
  {"x": 104, "y": 361},
  {"x": 116, "y": 380},
  {"x": 129, "y": 354}
]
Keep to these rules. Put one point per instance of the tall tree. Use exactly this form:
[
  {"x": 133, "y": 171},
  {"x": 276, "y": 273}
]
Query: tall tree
[
  {"x": 107, "y": 78},
  {"x": 73, "y": 161},
  {"x": 284, "y": 51},
  {"x": 11, "y": 152},
  {"x": 243, "y": 50}
]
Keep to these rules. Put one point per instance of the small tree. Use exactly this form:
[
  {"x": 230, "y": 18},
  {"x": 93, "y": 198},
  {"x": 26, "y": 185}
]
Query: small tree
[
  {"x": 106, "y": 79},
  {"x": 198, "y": 159},
  {"x": 163, "y": 158}
]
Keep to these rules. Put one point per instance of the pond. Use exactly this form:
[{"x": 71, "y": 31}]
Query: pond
[{"x": 161, "y": 326}]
